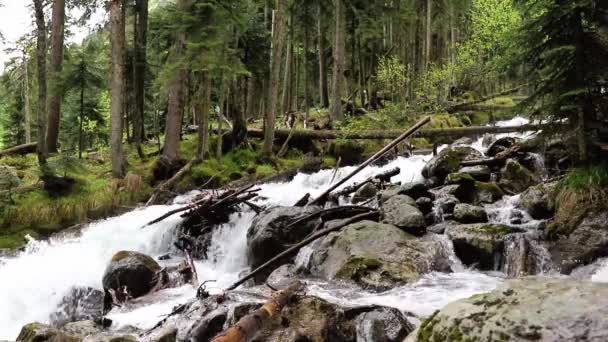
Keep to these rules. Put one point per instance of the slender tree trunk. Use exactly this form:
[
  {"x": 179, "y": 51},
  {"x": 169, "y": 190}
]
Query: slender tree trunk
[
  {"x": 339, "y": 63},
  {"x": 277, "y": 50},
  {"x": 429, "y": 33},
  {"x": 26, "y": 101},
  {"x": 41, "y": 61},
  {"x": 176, "y": 100},
  {"x": 55, "y": 68},
  {"x": 287, "y": 79},
  {"x": 250, "y": 102},
  {"x": 139, "y": 72},
  {"x": 323, "y": 88},
  {"x": 117, "y": 87},
  {"x": 239, "y": 123},
  {"x": 80, "y": 129},
  {"x": 202, "y": 104},
  {"x": 306, "y": 81}
]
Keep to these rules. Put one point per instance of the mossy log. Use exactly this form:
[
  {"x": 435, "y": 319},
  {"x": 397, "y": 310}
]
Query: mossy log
[
  {"x": 460, "y": 106},
  {"x": 247, "y": 327},
  {"x": 19, "y": 150}
]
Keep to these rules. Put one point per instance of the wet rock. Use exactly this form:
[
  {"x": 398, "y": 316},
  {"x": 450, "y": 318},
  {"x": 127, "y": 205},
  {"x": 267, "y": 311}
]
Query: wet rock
[
  {"x": 466, "y": 213},
  {"x": 365, "y": 192},
  {"x": 79, "y": 304},
  {"x": 530, "y": 309},
  {"x": 269, "y": 233},
  {"x": 501, "y": 145},
  {"x": 460, "y": 178},
  {"x": 479, "y": 243},
  {"x": 539, "y": 201},
  {"x": 448, "y": 161},
  {"x": 425, "y": 205},
  {"x": 401, "y": 211},
  {"x": 439, "y": 228},
  {"x": 515, "y": 178},
  {"x": 480, "y": 173},
  {"x": 587, "y": 242},
  {"x": 166, "y": 334},
  {"x": 463, "y": 141},
  {"x": 487, "y": 193},
  {"x": 445, "y": 205},
  {"x": 387, "y": 193},
  {"x": 382, "y": 325},
  {"x": 131, "y": 271},
  {"x": 463, "y": 192},
  {"x": 525, "y": 254},
  {"x": 349, "y": 153},
  {"x": 414, "y": 190},
  {"x": 82, "y": 328},
  {"x": 376, "y": 255},
  {"x": 38, "y": 332},
  {"x": 282, "y": 276}
]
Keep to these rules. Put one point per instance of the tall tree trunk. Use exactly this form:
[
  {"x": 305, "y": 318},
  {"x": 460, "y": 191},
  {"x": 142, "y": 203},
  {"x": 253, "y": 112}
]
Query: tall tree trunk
[
  {"x": 306, "y": 81},
  {"x": 139, "y": 72},
  {"x": 277, "y": 50},
  {"x": 429, "y": 33},
  {"x": 250, "y": 102},
  {"x": 41, "y": 62},
  {"x": 239, "y": 123},
  {"x": 81, "y": 126},
  {"x": 26, "y": 100},
  {"x": 287, "y": 79},
  {"x": 202, "y": 104},
  {"x": 117, "y": 85},
  {"x": 339, "y": 62},
  {"x": 54, "y": 105},
  {"x": 323, "y": 88}
]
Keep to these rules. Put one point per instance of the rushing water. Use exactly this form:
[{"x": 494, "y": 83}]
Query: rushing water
[{"x": 33, "y": 283}]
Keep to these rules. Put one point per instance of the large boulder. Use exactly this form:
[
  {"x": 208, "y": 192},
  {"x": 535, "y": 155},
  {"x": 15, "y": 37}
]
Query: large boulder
[
  {"x": 539, "y": 201},
  {"x": 382, "y": 325},
  {"x": 376, "y": 255},
  {"x": 414, "y": 190},
  {"x": 530, "y": 309},
  {"x": 131, "y": 271},
  {"x": 401, "y": 211},
  {"x": 466, "y": 213},
  {"x": 479, "y": 243},
  {"x": 501, "y": 145},
  {"x": 270, "y": 234},
  {"x": 448, "y": 161},
  {"x": 38, "y": 332},
  {"x": 480, "y": 173},
  {"x": 587, "y": 242},
  {"x": 79, "y": 304},
  {"x": 515, "y": 178},
  {"x": 487, "y": 193}
]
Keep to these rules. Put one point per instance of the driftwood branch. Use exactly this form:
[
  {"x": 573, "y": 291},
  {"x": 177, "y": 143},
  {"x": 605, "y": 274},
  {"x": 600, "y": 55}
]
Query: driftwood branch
[
  {"x": 170, "y": 183},
  {"x": 382, "y": 177},
  {"x": 372, "y": 159},
  {"x": 301, "y": 244},
  {"x": 247, "y": 327}
]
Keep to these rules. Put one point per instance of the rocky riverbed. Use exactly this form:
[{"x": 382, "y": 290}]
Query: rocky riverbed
[{"x": 457, "y": 251}]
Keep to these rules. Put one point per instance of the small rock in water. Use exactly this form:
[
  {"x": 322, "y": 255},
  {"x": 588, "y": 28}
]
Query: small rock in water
[
  {"x": 539, "y": 201},
  {"x": 515, "y": 178},
  {"x": 463, "y": 141},
  {"x": 382, "y": 324},
  {"x": 414, "y": 190},
  {"x": 131, "y": 271},
  {"x": 425, "y": 205},
  {"x": 80, "y": 304},
  {"x": 164, "y": 257},
  {"x": 480, "y": 172},
  {"x": 399, "y": 211},
  {"x": 365, "y": 192},
  {"x": 479, "y": 243},
  {"x": 466, "y": 213},
  {"x": 448, "y": 161},
  {"x": 501, "y": 145}
]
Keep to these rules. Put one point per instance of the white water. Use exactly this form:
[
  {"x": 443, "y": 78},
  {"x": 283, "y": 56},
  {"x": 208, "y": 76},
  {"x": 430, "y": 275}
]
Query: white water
[{"x": 33, "y": 283}]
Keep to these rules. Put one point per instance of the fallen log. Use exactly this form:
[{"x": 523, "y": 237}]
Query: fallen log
[
  {"x": 372, "y": 159},
  {"x": 248, "y": 326},
  {"x": 394, "y": 133},
  {"x": 301, "y": 244},
  {"x": 382, "y": 177},
  {"x": 169, "y": 183},
  {"x": 459, "y": 106},
  {"x": 19, "y": 150}
]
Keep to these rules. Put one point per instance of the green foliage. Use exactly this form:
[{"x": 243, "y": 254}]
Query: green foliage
[{"x": 392, "y": 76}]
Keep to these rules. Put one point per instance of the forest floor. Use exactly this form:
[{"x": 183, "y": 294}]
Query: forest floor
[{"x": 96, "y": 195}]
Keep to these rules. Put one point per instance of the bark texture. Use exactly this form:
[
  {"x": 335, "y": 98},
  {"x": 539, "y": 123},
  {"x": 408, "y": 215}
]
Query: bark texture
[
  {"x": 55, "y": 68},
  {"x": 339, "y": 62},
  {"x": 117, "y": 85},
  {"x": 41, "y": 61}
]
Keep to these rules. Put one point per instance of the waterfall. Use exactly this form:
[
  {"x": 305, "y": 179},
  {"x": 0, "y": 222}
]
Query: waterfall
[{"x": 524, "y": 254}]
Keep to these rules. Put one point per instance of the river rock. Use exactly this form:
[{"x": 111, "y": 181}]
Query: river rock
[
  {"x": 515, "y": 178},
  {"x": 38, "y": 332},
  {"x": 414, "y": 190},
  {"x": 487, "y": 193},
  {"x": 587, "y": 242},
  {"x": 463, "y": 141},
  {"x": 269, "y": 234},
  {"x": 390, "y": 191},
  {"x": 440, "y": 228},
  {"x": 480, "y": 173},
  {"x": 131, "y": 270},
  {"x": 479, "y": 243},
  {"x": 376, "y": 255},
  {"x": 425, "y": 205},
  {"x": 539, "y": 201},
  {"x": 365, "y": 192},
  {"x": 445, "y": 205},
  {"x": 501, "y": 145},
  {"x": 466, "y": 213},
  {"x": 382, "y": 324},
  {"x": 401, "y": 211},
  {"x": 530, "y": 309},
  {"x": 448, "y": 161},
  {"x": 79, "y": 304}
]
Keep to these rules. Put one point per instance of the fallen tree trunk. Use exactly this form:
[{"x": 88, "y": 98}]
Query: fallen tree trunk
[
  {"x": 301, "y": 244},
  {"x": 19, "y": 150},
  {"x": 22, "y": 189},
  {"x": 170, "y": 183},
  {"x": 247, "y": 327},
  {"x": 382, "y": 177},
  {"x": 372, "y": 159},
  {"x": 394, "y": 133}
]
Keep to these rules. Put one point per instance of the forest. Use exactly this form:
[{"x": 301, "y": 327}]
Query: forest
[{"x": 494, "y": 114}]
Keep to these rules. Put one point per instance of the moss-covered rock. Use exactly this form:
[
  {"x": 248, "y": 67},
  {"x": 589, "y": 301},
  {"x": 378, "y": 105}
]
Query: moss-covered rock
[
  {"x": 131, "y": 270},
  {"x": 479, "y": 243},
  {"x": 401, "y": 211},
  {"x": 539, "y": 201},
  {"x": 530, "y": 309},
  {"x": 38, "y": 332},
  {"x": 466, "y": 213},
  {"x": 448, "y": 161},
  {"x": 480, "y": 173},
  {"x": 515, "y": 178},
  {"x": 376, "y": 255},
  {"x": 487, "y": 193}
]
